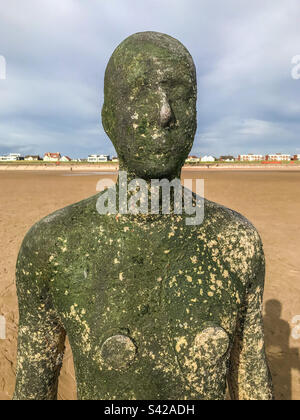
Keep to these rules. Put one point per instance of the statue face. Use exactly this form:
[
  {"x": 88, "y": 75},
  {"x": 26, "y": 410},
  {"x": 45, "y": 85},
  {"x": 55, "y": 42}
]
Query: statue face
[{"x": 149, "y": 110}]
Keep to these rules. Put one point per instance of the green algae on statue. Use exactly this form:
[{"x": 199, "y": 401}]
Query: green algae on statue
[
  {"x": 149, "y": 109},
  {"x": 153, "y": 308}
]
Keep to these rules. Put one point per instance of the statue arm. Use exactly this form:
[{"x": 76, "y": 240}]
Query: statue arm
[
  {"x": 41, "y": 336},
  {"x": 249, "y": 377}
]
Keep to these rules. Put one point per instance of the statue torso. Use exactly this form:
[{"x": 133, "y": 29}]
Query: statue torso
[{"x": 149, "y": 304}]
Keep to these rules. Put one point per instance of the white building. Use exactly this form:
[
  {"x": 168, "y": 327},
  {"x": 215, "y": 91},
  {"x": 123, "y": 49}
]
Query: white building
[
  {"x": 52, "y": 157},
  {"x": 227, "y": 158},
  {"x": 12, "y": 157},
  {"x": 65, "y": 159},
  {"x": 32, "y": 158},
  {"x": 278, "y": 157},
  {"x": 98, "y": 158},
  {"x": 251, "y": 158},
  {"x": 208, "y": 159},
  {"x": 192, "y": 159}
]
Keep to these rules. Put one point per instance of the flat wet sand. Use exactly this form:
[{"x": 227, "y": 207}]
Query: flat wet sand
[{"x": 270, "y": 199}]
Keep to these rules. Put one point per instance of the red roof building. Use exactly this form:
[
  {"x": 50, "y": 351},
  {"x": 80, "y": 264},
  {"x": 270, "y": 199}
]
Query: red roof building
[{"x": 52, "y": 157}]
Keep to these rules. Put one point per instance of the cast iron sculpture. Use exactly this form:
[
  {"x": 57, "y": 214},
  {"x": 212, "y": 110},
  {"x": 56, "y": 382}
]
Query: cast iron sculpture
[{"x": 153, "y": 308}]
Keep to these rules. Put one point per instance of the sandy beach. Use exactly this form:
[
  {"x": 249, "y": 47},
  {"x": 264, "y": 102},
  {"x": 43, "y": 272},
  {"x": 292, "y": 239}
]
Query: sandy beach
[
  {"x": 115, "y": 167},
  {"x": 269, "y": 197}
]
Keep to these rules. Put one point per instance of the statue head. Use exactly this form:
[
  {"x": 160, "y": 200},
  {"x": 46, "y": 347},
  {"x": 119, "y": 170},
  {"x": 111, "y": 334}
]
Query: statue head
[{"x": 149, "y": 109}]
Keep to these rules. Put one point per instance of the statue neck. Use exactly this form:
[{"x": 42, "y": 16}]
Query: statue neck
[
  {"x": 132, "y": 175},
  {"x": 129, "y": 185}
]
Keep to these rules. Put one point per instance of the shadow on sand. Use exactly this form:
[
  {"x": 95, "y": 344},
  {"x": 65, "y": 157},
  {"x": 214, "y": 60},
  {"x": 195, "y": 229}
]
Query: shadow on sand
[{"x": 282, "y": 358}]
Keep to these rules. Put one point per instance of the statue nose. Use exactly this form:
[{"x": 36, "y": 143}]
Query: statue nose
[
  {"x": 165, "y": 111},
  {"x": 165, "y": 114}
]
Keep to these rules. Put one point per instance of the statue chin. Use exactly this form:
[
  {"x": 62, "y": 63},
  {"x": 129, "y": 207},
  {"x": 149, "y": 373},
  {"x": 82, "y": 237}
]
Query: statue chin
[{"x": 156, "y": 170}]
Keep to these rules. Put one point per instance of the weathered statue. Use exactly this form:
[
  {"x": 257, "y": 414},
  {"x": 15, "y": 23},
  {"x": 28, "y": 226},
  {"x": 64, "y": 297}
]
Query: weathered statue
[{"x": 153, "y": 308}]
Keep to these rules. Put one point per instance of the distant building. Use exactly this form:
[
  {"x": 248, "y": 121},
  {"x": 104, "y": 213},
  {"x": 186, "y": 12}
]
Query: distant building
[
  {"x": 52, "y": 157},
  {"x": 115, "y": 159},
  {"x": 278, "y": 157},
  {"x": 193, "y": 159},
  {"x": 251, "y": 158},
  {"x": 208, "y": 159},
  {"x": 32, "y": 157},
  {"x": 65, "y": 159},
  {"x": 12, "y": 157},
  {"x": 98, "y": 158},
  {"x": 227, "y": 158}
]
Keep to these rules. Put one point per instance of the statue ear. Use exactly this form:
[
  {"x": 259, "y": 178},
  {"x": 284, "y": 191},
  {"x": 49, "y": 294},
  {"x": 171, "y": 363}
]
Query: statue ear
[
  {"x": 105, "y": 119},
  {"x": 108, "y": 123}
]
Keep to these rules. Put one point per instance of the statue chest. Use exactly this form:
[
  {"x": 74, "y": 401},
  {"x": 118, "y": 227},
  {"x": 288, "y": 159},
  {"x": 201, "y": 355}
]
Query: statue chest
[
  {"x": 150, "y": 310},
  {"x": 139, "y": 275}
]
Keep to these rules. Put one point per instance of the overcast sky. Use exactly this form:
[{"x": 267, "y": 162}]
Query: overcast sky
[{"x": 57, "y": 50}]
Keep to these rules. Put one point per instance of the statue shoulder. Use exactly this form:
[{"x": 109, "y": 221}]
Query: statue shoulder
[
  {"x": 61, "y": 220},
  {"x": 68, "y": 214},
  {"x": 227, "y": 222},
  {"x": 237, "y": 239},
  {"x": 42, "y": 237}
]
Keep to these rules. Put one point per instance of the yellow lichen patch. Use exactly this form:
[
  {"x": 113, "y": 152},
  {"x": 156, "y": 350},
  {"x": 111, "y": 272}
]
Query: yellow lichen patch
[
  {"x": 181, "y": 342},
  {"x": 86, "y": 331},
  {"x": 213, "y": 278},
  {"x": 135, "y": 116},
  {"x": 173, "y": 282},
  {"x": 189, "y": 279}
]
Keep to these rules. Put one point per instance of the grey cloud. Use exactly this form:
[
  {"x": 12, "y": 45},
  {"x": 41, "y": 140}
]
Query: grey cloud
[{"x": 57, "y": 51}]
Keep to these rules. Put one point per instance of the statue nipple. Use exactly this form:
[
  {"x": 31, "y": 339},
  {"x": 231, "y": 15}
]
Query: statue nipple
[
  {"x": 118, "y": 352},
  {"x": 211, "y": 344}
]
